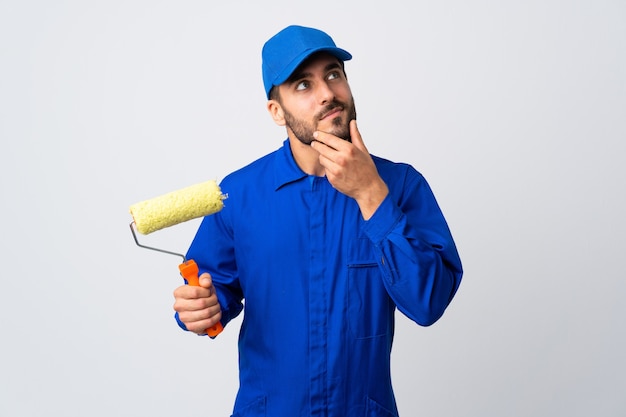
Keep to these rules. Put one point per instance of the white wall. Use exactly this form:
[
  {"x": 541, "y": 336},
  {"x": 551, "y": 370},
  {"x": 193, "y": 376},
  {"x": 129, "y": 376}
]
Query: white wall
[{"x": 514, "y": 112}]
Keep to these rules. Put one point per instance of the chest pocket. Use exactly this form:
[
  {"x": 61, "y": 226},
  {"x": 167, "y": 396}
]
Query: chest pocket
[{"x": 370, "y": 309}]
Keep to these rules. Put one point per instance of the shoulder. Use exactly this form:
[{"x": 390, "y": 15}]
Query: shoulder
[
  {"x": 393, "y": 172},
  {"x": 406, "y": 184},
  {"x": 251, "y": 172}
]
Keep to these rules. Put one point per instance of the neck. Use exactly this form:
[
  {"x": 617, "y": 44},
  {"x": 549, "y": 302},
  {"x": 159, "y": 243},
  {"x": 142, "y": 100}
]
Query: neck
[{"x": 306, "y": 157}]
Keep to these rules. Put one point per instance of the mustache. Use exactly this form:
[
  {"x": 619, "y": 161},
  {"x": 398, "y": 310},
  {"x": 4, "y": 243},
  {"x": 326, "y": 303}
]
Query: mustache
[{"x": 329, "y": 108}]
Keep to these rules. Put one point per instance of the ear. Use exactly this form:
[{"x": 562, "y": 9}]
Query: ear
[{"x": 276, "y": 111}]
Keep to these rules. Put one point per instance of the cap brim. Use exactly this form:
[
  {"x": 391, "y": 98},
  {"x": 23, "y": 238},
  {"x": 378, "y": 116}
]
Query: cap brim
[{"x": 289, "y": 69}]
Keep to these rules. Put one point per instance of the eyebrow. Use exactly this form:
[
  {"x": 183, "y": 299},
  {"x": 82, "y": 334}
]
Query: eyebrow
[{"x": 298, "y": 75}]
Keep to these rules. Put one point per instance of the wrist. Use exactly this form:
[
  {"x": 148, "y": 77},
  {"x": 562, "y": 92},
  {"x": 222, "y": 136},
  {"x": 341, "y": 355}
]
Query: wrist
[{"x": 372, "y": 198}]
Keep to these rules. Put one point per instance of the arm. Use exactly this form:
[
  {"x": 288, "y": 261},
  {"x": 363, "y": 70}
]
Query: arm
[
  {"x": 417, "y": 256},
  {"x": 219, "y": 296}
]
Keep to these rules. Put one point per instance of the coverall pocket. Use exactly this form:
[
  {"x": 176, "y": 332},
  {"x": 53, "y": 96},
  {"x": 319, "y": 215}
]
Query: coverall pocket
[
  {"x": 254, "y": 409},
  {"x": 369, "y": 305},
  {"x": 376, "y": 410}
]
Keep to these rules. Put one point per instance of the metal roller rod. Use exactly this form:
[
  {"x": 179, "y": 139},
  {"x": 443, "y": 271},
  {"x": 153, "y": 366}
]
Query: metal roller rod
[{"x": 132, "y": 229}]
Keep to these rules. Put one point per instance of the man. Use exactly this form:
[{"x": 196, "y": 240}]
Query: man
[{"x": 324, "y": 242}]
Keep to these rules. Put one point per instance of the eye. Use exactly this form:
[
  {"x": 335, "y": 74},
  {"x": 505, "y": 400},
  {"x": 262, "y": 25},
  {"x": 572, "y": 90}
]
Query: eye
[
  {"x": 333, "y": 75},
  {"x": 302, "y": 85}
]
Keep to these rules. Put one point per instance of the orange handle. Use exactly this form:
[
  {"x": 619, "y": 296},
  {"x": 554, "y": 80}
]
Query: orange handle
[{"x": 189, "y": 271}]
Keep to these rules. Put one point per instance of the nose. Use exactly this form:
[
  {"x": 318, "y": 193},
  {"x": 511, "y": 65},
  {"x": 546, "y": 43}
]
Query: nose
[{"x": 325, "y": 93}]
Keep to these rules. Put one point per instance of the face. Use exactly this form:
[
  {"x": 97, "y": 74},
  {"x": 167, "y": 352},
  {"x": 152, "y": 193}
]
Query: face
[{"x": 317, "y": 97}]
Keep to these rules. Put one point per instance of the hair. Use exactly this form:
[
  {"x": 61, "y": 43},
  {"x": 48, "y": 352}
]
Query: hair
[{"x": 274, "y": 94}]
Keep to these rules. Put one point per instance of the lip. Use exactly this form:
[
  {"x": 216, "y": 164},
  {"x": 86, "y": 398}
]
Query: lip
[{"x": 332, "y": 113}]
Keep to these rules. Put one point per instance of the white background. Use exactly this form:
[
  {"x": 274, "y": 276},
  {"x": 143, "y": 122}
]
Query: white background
[{"x": 515, "y": 111}]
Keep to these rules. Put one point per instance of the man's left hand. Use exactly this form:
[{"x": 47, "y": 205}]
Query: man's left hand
[{"x": 350, "y": 169}]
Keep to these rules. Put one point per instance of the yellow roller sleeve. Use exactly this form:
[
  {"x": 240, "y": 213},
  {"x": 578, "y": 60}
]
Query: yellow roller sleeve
[{"x": 178, "y": 206}]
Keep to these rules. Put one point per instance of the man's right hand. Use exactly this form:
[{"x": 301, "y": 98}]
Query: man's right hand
[{"x": 198, "y": 307}]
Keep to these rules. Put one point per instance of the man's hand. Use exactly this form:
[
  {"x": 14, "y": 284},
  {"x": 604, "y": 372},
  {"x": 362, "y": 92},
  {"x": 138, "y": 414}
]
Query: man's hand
[
  {"x": 350, "y": 169},
  {"x": 198, "y": 307}
]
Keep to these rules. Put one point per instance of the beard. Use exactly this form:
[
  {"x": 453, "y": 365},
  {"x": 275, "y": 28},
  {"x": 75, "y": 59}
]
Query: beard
[{"x": 303, "y": 130}]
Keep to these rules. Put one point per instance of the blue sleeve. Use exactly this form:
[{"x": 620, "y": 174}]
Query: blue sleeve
[
  {"x": 213, "y": 251},
  {"x": 417, "y": 255},
  {"x": 180, "y": 323}
]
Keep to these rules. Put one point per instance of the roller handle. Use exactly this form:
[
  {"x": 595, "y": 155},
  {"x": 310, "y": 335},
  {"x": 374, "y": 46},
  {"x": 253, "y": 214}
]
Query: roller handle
[{"x": 189, "y": 270}]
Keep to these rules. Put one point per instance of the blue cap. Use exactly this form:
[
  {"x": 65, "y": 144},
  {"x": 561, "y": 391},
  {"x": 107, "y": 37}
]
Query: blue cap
[{"x": 286, "y": 50}]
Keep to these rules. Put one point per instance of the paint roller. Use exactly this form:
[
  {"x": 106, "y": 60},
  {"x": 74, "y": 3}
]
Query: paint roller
[{"x": 173, "y": 208}]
